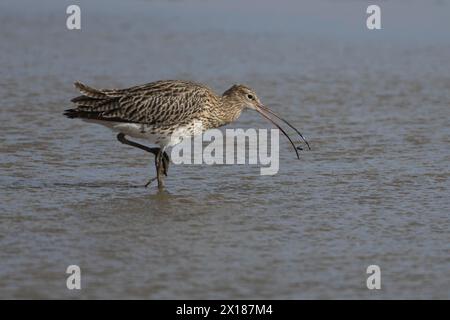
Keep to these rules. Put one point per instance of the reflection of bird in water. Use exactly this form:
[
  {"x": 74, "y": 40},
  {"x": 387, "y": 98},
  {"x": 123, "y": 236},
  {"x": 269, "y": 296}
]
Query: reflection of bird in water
[{"x": 155, "y": 111}]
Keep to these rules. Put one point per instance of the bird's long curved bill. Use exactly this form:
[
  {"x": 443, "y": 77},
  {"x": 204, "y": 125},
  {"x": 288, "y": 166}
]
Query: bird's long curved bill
[{"x": 268, "y": 114}]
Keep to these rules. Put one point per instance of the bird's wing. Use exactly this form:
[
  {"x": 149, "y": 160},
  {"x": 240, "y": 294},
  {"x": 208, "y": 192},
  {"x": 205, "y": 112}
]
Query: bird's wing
[{"x": 157, "y": 103}]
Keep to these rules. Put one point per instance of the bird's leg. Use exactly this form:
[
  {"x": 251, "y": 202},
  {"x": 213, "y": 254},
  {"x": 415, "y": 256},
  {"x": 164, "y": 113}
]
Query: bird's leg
[
  {"x": 162, "y": 166},
  {"x": 161, "y": 162},
  {"x": 160, "y": 169},
  {"x": 165, "y": 162},
  {"x": 121, "y": 138}
]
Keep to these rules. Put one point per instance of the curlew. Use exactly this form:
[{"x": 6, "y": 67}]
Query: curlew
[{"x": 154, "y": 111}]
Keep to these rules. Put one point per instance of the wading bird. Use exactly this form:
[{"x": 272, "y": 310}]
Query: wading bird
[{"x": 154, "y": 111}]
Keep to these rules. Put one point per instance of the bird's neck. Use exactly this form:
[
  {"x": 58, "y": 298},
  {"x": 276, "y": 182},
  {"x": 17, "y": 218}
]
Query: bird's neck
[{"x": 229, "y": 110}]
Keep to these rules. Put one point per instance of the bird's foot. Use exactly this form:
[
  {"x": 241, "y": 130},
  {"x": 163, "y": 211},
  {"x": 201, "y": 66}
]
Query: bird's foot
[
  {"x": 160, "y": 182},
  {"x": 150, "y": 182}
]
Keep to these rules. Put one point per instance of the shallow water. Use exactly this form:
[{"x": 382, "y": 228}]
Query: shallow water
[{"x": 374, "y": 189}]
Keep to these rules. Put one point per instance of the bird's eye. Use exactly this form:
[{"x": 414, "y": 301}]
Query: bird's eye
[{"x": 250, "y": 96}]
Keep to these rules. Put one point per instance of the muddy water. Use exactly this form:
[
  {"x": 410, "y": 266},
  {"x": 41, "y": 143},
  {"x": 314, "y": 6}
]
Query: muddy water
[{"x": 374, "y": 189}]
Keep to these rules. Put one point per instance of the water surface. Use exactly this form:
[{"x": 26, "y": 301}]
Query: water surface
[{"x": 374, "y": 189}]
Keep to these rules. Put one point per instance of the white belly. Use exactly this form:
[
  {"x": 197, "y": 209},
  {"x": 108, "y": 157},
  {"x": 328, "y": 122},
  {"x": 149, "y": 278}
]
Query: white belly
[{"x": 147, "y": 133}]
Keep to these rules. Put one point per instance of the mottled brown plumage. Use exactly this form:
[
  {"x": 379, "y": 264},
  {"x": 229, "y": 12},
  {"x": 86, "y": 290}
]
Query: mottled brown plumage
[
  {"x": 155, "y": 110},
  {"x": 163, "y": 104}
]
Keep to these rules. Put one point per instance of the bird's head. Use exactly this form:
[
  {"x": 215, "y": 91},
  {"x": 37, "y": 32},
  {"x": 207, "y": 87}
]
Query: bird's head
[{"x": 242, "y": 97}]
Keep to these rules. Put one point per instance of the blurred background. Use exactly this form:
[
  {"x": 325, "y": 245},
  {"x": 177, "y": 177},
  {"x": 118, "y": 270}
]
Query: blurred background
[{"x": 374, "y": 104}]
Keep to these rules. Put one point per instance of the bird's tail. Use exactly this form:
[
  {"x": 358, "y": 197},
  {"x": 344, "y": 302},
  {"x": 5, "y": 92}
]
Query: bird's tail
[{"x": 93, "y": 103}]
